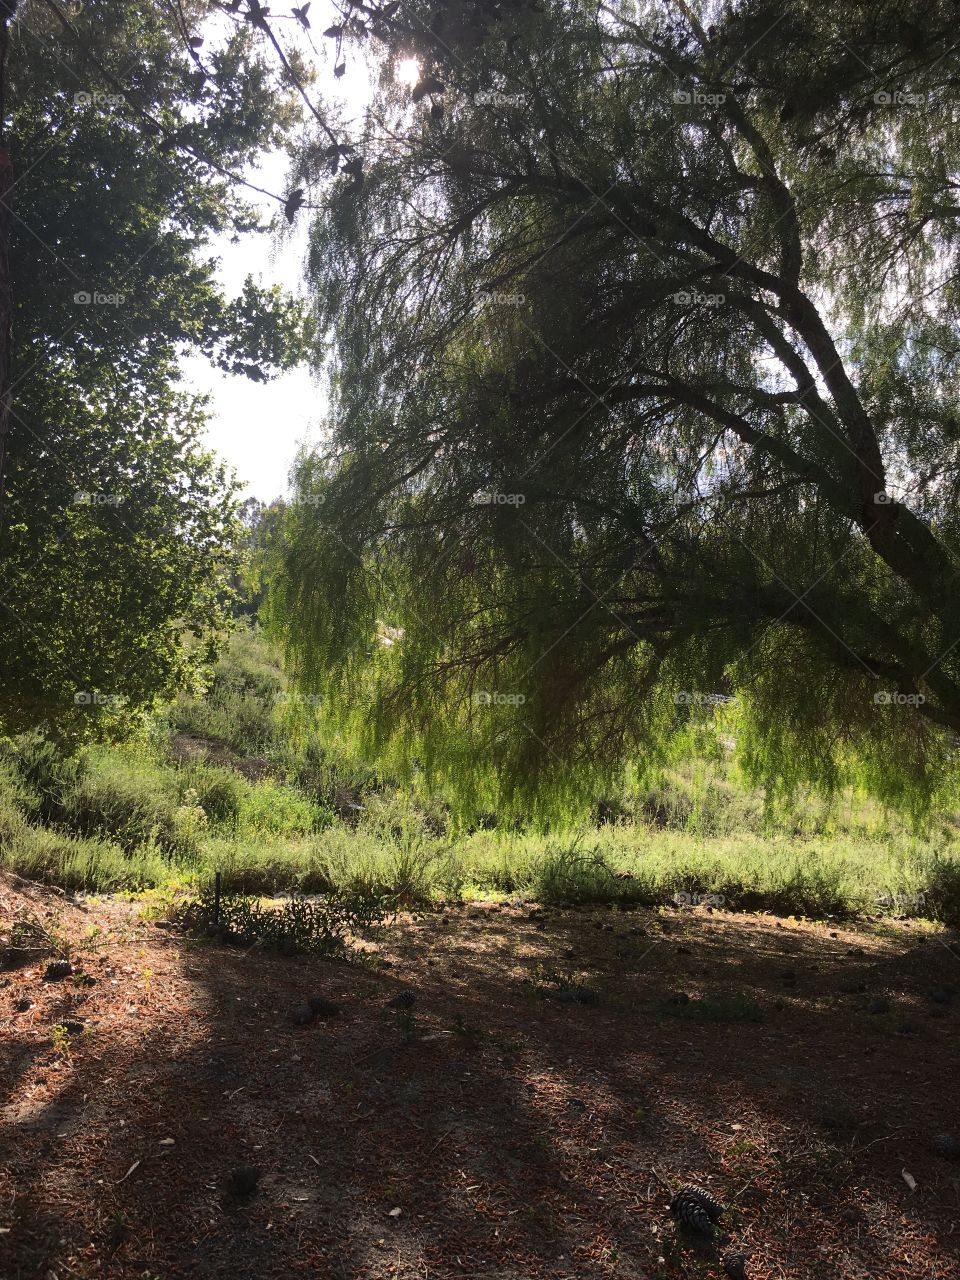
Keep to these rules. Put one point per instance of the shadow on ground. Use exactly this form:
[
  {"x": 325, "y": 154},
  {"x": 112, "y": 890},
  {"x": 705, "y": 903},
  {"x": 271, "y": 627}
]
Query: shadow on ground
[{"x": 523, "y": 1117}]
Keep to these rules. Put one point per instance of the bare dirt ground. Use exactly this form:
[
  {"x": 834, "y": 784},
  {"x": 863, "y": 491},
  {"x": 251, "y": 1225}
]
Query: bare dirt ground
[{"x": 519, "y": 1121}]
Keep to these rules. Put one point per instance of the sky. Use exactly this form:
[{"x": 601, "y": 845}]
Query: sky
[{"x": 259, "y": 427}]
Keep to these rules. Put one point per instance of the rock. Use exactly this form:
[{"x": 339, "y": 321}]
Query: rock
[
  {"x": 403, "y": 1000},
  {"x": 878, "y": 1006},
  {"x": 243, "y": 1180},
  {"x": 23, "y": 1004},
  {"x": 57, "y": 970},
  {"x": 946, "y": 1146},
  {"x": 323, "y": 1008},
  {"x": 735, "y": 1265}
]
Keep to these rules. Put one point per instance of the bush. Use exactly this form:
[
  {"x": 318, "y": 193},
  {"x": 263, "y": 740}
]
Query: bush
[
  {"x": 270, "y": 808},
  {"x": 941, "y": 891},
  {"x": 220, "y": 793},
  {"x": 300, "y": 927}
]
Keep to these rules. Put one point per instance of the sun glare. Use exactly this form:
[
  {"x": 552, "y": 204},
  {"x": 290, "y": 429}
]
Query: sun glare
[{"x": 408, "y": 71}]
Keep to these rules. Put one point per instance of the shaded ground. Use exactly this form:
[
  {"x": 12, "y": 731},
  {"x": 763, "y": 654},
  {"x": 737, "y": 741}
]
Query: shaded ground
[{"x": 518, "y": 1126}]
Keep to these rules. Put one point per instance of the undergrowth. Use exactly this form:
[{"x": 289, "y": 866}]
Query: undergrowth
[{"x": 230, "y": 783}]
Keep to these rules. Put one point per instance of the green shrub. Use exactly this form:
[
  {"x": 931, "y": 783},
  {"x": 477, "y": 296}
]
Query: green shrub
[
  {"x": 271, "y": 808},
  {"x": 220, "y": 793},
  {"x": 941, "y": 891},
  {"x": 299, "y": 927}
]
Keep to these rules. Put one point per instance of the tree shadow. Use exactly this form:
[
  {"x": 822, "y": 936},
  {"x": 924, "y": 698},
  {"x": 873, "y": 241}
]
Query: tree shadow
[{"x": 517, "y": 1131}]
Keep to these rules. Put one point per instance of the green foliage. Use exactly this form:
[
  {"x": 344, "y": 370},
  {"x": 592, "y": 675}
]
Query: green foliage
[
  {"x": 629, "y": 338},
  {"x": 723, "y": 1006},
  {"x": 299, "y": 927},
  {"x": 566, "y": 986},
  {"x": 107, "y": 485}
]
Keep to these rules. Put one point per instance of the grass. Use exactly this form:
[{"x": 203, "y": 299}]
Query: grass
[{"x": 137, "y": 816}]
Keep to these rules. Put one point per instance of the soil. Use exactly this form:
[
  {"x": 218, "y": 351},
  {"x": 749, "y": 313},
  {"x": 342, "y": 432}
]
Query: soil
[{"x": 556, "y": 1074}]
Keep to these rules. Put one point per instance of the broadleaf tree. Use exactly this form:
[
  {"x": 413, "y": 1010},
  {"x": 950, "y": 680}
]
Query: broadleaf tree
[
  {"x": 645, "y": 394},
  {"x": 118, "y": 528}
]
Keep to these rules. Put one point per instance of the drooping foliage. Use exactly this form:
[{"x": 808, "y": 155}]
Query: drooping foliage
[
  {"x": 645, "y": 390},
  {"x": 117, "y": 527}
]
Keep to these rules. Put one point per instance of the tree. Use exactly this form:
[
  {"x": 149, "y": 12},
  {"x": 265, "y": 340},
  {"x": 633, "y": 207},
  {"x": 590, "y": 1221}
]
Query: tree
[
  {"x": 645, "y": 391},
  {"x": 119, "y": 531}
]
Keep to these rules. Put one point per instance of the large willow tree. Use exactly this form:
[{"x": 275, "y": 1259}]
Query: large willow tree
[{"x": 645, "y": 390}]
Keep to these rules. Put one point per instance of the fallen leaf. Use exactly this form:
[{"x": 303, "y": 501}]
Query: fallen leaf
[
  {"x": 135, "y": 1165},
  {"x": 909, "y": 1179},
  {"x": 395, "y": 1213}
]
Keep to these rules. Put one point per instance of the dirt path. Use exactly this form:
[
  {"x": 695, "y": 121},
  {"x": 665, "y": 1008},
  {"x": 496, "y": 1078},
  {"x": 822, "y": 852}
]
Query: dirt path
[{"x": 507, "y": 1126}]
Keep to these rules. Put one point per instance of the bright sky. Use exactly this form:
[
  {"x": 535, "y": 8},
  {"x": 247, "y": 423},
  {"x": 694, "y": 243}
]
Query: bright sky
[{"x": 258, "y": 427}]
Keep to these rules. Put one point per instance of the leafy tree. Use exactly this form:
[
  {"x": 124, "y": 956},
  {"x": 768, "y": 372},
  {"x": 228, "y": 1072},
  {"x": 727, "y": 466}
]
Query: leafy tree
[
  {"x": 260, "y": 520},
  {"x": 645, "y": 391},
  {"x": 118, "y": 528}
]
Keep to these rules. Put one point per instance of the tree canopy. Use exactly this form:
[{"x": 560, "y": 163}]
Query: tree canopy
[
  {"x": 645, "y": 392},
  {"x": 118, "y": 526}
]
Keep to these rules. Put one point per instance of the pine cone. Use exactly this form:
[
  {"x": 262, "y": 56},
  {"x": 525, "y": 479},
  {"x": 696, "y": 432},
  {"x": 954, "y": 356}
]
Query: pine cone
[
  {"x": 735, "y": 1265},
  {"x": 708, "y": 1202},
  {"x": 696, "y": 1208}
]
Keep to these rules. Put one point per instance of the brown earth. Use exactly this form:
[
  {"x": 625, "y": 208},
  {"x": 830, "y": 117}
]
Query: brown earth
[{"x": 520, "y": 1130}]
